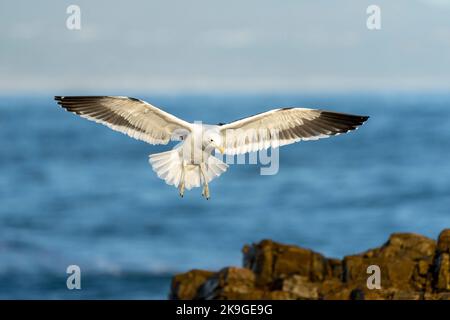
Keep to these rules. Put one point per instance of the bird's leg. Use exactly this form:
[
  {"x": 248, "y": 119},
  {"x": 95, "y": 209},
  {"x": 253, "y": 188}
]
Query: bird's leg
[
  {"x": 205, "y": 192},
  {"x": 181, "y": 185}
]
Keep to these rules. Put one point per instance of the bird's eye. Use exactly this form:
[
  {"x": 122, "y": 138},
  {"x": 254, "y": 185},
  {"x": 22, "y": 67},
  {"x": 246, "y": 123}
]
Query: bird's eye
[{"x": 211, "y": 140}]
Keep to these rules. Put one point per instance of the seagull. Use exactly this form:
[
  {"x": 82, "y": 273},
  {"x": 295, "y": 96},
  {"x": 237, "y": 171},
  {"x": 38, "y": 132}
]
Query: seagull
[{"x": 191, "y": 162}]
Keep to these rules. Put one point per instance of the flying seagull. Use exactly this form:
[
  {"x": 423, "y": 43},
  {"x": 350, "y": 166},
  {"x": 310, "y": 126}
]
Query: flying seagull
[{"x": 191, "y": 163}]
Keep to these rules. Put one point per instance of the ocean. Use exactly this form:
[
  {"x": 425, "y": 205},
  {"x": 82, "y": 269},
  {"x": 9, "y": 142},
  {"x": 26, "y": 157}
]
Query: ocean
[{"x": 73, "y": 192}]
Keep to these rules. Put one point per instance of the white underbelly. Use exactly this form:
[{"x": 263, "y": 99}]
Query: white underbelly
[{"x": 192, "y": 153}]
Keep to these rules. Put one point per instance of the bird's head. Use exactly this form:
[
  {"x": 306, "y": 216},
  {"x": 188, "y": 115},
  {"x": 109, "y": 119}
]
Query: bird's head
[{"x": 212, "y": 140}]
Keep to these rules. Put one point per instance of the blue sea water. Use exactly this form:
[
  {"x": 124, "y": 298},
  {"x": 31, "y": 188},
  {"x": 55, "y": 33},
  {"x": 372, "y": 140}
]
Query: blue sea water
[{"x": 75, "y": 192}]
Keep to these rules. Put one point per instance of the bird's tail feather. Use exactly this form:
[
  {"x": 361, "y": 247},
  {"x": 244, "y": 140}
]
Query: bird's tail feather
[{"x": 169, "y": 167}]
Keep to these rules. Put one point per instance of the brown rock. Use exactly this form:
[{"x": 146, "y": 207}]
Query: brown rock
[
  {"x": 437, "y": 296},
  {"x": 355, "y": 270},
  {"x": 278, "y": 295},
  {"x": 334, "y": 289},
  {"x": 443, "y": 272},
  {"x": 300, "y": 287},
  {"x": 421, "y": 280},
  {"x": 258, "y": 258},
  {"x": 185, "y": 285},
  {"x": 406, "y": 295},
  {"x": 229, "y": 283},
  {"x": 270, "y": 261},
  {"x": 443, "y": 296},
  {"x": 335, "y": 268},
  {"x": 443, "y": 245},
  {"x": 441, "y": 264},
  {"x": 412, "y": 267},
  {"x": 413, "y": 245},
  {"x": 403, "y": 257}
]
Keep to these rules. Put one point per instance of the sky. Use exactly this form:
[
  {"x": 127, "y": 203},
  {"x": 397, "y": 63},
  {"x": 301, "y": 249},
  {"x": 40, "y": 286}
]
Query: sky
[{"x": 223, "y": 46}]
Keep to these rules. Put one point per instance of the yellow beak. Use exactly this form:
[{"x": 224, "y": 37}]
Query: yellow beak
[{"x": 221, "y": 149}]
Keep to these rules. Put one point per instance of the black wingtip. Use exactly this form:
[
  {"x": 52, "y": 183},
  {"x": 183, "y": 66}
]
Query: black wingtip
[
  {"x": 59, "y": 100},
  {"x": 364, "y": 119},
  {"x": 346, "y": 117},
  {"x": 134, "y": 99}
]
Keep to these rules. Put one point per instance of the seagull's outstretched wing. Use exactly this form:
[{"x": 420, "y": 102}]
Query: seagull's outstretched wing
[
  {"x": 134, "y": 117},
  {"x": 279, "y": 127}
]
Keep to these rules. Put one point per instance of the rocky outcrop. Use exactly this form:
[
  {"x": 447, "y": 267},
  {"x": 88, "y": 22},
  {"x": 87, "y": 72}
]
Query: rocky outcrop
[{"x": 409, "y": 266}]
